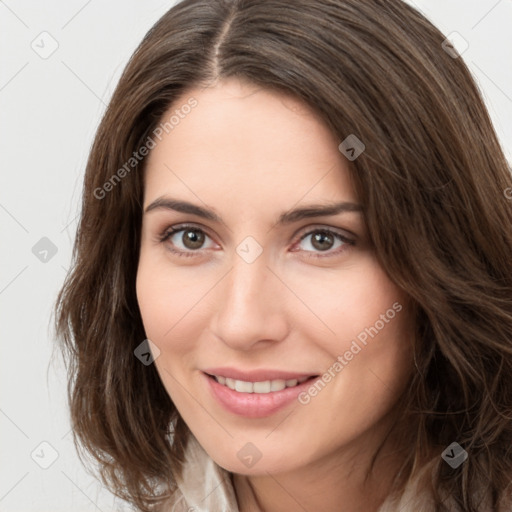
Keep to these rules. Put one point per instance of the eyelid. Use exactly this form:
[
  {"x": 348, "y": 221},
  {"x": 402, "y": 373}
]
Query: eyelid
[
  {"x": 182, "y": 226},
  {"x": 323, "y": 227},
  {"x": 302, "y": 231}
]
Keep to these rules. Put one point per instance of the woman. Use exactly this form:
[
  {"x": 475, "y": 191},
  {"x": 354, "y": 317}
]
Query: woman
[{"x": 291, "y": 287}]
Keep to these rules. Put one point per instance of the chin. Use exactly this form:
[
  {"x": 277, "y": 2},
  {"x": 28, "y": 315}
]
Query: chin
[{"x": 247, "y": 459}]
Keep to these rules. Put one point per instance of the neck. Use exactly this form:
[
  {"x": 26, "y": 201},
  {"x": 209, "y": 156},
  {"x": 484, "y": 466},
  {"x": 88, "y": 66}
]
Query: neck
[{"x": 341, "y": 481}]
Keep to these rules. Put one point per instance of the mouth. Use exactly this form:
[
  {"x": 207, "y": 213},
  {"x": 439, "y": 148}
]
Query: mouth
[
  {"x": 255, "y": 394},
  {"x": 260, "y": 387}
]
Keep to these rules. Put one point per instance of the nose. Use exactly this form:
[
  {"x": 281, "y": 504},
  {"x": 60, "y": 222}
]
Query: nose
[{"x": 251, "y": 309}]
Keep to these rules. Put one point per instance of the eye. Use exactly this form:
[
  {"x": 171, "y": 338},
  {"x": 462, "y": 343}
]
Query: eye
[
  {"x": 323, "y": 240},
  {"x": 190, "y": 241}
]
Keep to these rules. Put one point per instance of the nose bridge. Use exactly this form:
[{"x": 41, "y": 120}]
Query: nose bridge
[
  {"x": 247, "y": 286},
  {"x": 250, "y": 307}
]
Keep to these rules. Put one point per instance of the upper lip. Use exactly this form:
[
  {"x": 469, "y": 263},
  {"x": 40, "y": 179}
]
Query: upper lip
[{"x": 256, "y": 375}]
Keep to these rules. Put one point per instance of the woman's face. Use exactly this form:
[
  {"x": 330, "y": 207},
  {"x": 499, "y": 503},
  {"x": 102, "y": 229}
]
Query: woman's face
[{"x": 257, "y": 290}]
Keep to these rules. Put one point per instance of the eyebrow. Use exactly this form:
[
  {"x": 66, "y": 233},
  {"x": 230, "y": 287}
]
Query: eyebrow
[{"x": 295, "y": 215}]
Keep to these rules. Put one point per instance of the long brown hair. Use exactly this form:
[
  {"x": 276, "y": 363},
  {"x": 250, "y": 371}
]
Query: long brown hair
[{"x": 431, "y": 181}]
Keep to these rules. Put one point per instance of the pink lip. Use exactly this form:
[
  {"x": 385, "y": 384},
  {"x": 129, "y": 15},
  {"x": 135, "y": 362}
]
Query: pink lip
[
  {"x": 253, "y": 405},
  {"x": 255, "y": 375}
]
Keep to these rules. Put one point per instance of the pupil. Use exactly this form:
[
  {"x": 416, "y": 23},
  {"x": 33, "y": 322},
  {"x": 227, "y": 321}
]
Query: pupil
[
  {"x": 320, "y": 238},
  {"x": 193, "y": 239}
]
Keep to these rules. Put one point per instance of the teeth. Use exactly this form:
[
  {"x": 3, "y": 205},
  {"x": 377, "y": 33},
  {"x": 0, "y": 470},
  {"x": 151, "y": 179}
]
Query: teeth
[
  {"x": 258, "y": 387},
  {"x": 243, "y": 387},
  {"x": 277, "y": 385},
  {"x": 261, "y": 387}
]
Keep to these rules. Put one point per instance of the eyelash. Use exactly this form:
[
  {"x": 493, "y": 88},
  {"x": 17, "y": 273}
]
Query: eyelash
[{"x": 169, "y": 232}]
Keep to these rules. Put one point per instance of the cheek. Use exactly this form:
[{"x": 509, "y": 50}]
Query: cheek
[
  {"x": 166, "y": 306},
  {"x": 162, "y": 298},
  {"x": 371, "y": 352},
  {"x": 381, "y": 329},
  {"x": 352, "y": 301},
  {"x": 152, "y": 296},
  {"x": 172, "y": 303}
]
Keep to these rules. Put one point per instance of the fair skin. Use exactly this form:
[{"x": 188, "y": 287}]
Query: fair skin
[{"x": 249, "y": 155}]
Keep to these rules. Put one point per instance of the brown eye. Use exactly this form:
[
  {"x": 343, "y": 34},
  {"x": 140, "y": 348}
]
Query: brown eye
[
  {"x": 186, "y": 240},
  {"x": 192, "y": 238},
  {"x": 327, "y": 241},
  {"x": 322, "y": 241}
]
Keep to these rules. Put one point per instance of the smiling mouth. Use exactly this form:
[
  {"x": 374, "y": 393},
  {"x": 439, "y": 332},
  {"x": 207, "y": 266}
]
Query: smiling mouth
[{"x": 266, "y": 386}]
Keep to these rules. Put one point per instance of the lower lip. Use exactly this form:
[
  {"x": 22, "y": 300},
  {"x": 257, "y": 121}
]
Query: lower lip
[{"x": 254, "y": 405}]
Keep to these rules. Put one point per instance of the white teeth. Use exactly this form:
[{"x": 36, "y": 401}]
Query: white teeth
[
  {"x": 243, "y": 387},
  {"x": 258, "y": 387},
  {"x": 261, "y": 387},
  {"x": 277, "y": 385}
]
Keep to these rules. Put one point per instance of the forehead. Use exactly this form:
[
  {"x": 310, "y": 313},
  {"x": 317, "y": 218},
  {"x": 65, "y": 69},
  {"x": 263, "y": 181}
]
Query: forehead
[{"x": 250, "y": 143}]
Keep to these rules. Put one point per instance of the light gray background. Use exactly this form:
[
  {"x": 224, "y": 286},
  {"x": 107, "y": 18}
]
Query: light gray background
[{"x": 49, "y": 110}]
